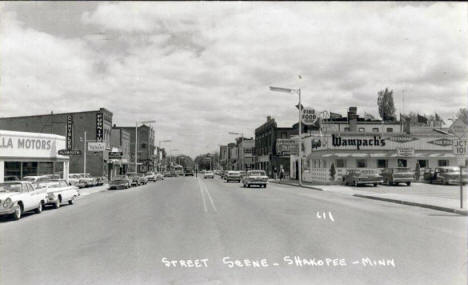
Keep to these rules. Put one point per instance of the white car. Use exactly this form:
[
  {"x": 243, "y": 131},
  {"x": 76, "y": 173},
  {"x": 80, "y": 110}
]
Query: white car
[
  {"x": 34, "y": 179},
  {"x": 58, "y": 192},
  {"x": 74, "y": 178},
  {"x": 208, "y": 174},
  {"x": 18, "y": 197},
  {"x": 255, "y": 177}
]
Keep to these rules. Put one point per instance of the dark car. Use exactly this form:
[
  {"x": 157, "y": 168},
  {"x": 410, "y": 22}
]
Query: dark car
[
  {"x": 445, "y": 175},
  {"x": 358, "y": 177},
  {"x": 188, "y": 172},
  {"x": 120, "y": 181},
  {"x": 394, "y": 176}
]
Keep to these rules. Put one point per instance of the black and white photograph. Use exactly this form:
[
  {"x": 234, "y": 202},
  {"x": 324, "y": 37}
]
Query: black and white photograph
[{"x": 243, "y": 142}]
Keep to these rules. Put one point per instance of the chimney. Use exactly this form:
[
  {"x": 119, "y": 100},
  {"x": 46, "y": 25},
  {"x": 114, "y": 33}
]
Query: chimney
[{"x": 352, "y": 119}]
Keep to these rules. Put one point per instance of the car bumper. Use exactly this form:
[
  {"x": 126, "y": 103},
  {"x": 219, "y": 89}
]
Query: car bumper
[
  {"x": 6, "y": 211},
  {"x": 402, "y": 180},
  {"x": 256, "y": 183},
  {"x": 369, "y": 182}
]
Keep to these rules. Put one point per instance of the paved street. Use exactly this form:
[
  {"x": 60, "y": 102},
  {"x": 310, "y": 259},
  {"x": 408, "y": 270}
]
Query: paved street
[{"x": 131, "y": 236}]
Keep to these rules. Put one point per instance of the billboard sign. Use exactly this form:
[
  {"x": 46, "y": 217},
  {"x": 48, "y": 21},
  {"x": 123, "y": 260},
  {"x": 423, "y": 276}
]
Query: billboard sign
[
  {"x": 115, "y": 155},
  {"x": 309, "y": 117},
  {"x": 287, "y": 147},
  {"x": 96, "y": 146}
]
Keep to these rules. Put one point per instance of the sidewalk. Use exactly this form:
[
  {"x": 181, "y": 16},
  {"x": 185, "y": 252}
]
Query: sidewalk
[
  {"x": 436, "y": 197},
  {"x": 91, "y": 190}
]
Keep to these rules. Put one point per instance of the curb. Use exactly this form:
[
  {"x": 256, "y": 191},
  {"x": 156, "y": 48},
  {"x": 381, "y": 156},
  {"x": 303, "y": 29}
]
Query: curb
[
  {"x": 433, "y": 207},
  {"x": 92, "y": 191},
  {"x": 303, "y": 186}
]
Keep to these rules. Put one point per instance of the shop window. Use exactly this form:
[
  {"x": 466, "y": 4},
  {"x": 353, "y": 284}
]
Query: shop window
[
  {"x": 423, "y": 163},
  {"x": 29, "y": 168},
  {"x": 362, "y": 130},
  {"x": 143, "y": 145},
  {"x": 402, "y": 163},
  {"x": 389, "y": 130},
  {"x": 382, "y": 163},
  {"x": 443, "y": 162},
  {"x": 12, "y": 169},
  {"x": 340, "y": 163},
  {"x": 361, "y": 163},
  {"x": 375, "y": 130},
  {"x": 346, "y": 129}
]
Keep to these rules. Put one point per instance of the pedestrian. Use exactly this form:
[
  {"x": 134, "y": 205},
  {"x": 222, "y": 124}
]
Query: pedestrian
[
  {"x": 275, "y": 173},
  {"x": 281, "y": 174}
]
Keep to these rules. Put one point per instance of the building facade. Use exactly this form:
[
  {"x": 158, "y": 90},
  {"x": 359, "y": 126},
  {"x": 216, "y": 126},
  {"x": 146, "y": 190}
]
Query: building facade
[
  {"x": 76, "y": 127},
  {"x": 146, "y": 148},
  {"x": 120, "y": 143},
  {"x": 245, "y": 153}
]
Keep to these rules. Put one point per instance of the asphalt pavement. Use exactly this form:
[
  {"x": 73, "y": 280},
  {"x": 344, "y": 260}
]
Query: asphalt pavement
[{"x": 188, "y": 230}]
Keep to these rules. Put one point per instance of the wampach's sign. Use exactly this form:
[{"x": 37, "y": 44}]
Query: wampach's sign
[{"x": 338, "y": 141}]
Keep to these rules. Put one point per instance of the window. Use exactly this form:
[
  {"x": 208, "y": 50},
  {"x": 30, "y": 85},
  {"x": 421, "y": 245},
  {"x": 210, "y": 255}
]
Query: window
[
  {"x": 375, "y": 130},
  {"x": 402, "y": 163},
  {"x": 423, "y": 163},
  {"x": 324, "y": 164},
  {"x": 389, "y": 130},
  {"x": 382, "y": 163},
  {"x": 143, "y": 145},
  {"x": 340, "y": 163},
  {"x": 346, "y": 129},
  {"x": 361, "y": 163},
  {"x": 443, "y": 162},
  {"x": 362, "y": 130}
]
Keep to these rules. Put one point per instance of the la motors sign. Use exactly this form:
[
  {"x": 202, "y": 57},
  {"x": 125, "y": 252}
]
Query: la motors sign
[
  {"x": 21, "y": 145},
  {"x": 25, "y": 143}
]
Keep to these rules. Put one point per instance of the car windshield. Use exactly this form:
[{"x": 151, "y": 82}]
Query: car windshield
[
  {"x": 10, "y": 187},
  {"x": 257, "y": 173},
  {"x": 52, "y": 184},
  {"x": 29, "y": 178}
]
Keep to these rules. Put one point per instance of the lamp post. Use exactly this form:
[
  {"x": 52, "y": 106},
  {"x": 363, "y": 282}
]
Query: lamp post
[
  {"x": 136, "y": 140},
  {"x": 298, "y": 92}
]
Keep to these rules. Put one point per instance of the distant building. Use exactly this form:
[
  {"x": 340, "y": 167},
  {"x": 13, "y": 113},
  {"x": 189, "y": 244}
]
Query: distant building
[
  {"x": 245, "y": 153},
  {"x": 96, "y": 125},
  {"x": 145, "y": 150},
  {"x": 120, "y": 142},
  {"x": 223, "y": 156}
]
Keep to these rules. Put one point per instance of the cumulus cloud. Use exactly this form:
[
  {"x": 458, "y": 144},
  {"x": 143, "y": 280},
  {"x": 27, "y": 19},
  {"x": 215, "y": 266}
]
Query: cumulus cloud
[{"x": 203, "y": 69}]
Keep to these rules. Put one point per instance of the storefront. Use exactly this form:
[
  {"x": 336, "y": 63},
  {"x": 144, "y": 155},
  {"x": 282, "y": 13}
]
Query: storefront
[
  {"x": 30, "y": 154},
  {"x": 371, "y": 151}
]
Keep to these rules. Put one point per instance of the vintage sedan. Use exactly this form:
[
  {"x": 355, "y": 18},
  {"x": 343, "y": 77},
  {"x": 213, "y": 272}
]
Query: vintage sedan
[
  {"x": 255, "y": 177},
  {"x": 74, "y": 178},
  {"x": 394, "y": 176},
  {"x": 233, "y": 176},
  {"x": 137, "y": 179},
  {"x": 58, "y": 192},
  {"x": 358, "y": 177},
  {"x": 159, "y": 176},
  {"x": 18, "y": 197},
  {"x": 208, "y": 174},
  {"x": 446, "y": 175},
  {"x": 150, "y": 176},
  {"x": 120, "y": 181},
  {"x": 87, "y": 181}
]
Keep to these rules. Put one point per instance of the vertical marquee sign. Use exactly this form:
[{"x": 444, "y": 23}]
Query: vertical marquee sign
[
  {"x": 69, "y": 132},
  {"x": 99, "y": 127}
]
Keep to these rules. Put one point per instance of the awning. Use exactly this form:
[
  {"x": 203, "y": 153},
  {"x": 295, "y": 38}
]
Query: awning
[
  {"x": 361, "y": 155},
  {"x": 378, "y": 154}
]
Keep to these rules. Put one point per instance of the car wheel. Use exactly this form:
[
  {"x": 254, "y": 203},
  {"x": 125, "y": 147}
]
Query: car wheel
[
  {"x": 408, "y": 183},
  {"x": 38, "y": 210},
  {"x": 57, "y": 204},
  {"x": 18, "y": 213},
  {"x": 72, "y": 201},
  {"x": 355, "y": 184},
  {"x": 375, "y": 184}
]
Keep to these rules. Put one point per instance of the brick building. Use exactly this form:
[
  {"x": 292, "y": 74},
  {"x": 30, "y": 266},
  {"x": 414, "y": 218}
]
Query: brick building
[{"x": 96, "y": 124}]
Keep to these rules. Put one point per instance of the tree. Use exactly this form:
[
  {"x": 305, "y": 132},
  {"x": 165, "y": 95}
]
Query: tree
[
  {"x": 386, "y": 105},
  {"x": 332, "y": 172},
  {"x": 463, "y": 115}
]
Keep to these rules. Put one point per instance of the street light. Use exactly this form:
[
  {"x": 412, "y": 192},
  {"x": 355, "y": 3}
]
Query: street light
[
  {"x": 136, "y": 140},
  {"x": 298, "y": 92}
]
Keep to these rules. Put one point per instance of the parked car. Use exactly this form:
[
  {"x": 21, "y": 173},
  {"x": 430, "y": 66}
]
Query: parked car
[
  {"x": 188, "y": 172},
  {"x": 101, "y": 180},
  {"x": 18, "y": 197},
  {"x": 358, "y": 177},
  {"x": 255, "y": 177},
  {"x": 151, "y": 176},
  {"x": 159, "y": 176},
  {"x": 137, "y": 178},
  {"x": 143, "y": 178},
  {"x": 87, "y": 180},
  {"x": 120, "y": 181},
  {"x": 34, "y": 179},
  {"x": 74, "y": 178},
  {"x": 233, "y": 176},
  {"x": 58, "y": 192},
  {"x": 394, "y": 176},
  {"x": 208, "y": 174},
  {"x": 446, "y": 175},
  {"x": 10, "y": 178}
]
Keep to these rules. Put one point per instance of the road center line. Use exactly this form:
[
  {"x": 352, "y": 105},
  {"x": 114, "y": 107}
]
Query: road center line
[
  {"x": 202, "y": 195},
  {"x": 209, "y": 197}
]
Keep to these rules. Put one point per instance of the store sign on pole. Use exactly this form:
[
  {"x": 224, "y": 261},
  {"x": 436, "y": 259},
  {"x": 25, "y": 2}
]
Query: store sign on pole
[
  {"x": 69, "y": 132},
  {"x": 99, "y": 127},
  {"x": 69, "y": 152},
  {"x": 405, "y": 151},
  {"x": 115, "y": 154},
  {"x": 309, "y": 117},
  {"x": 287, "y": 147},
  {"x": 460, "y": 147},
  {"x": 96, "y": 146}
]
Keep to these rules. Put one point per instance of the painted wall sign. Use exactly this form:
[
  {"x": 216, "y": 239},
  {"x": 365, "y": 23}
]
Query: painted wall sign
[
  {"x": 33, "y": 146},
  {"x": 375, "y": 141},
  {"x": 401, "y": 138},
  {"x": 286, "y": 147},
  {"x": 441, "y": 142},
  {"x": 69, "y": 137},
  {"x": 99, "y": 127}
]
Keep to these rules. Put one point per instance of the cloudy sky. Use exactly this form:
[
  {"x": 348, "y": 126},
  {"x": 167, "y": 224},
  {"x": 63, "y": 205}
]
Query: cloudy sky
[{"x": 202, "y": 69}]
